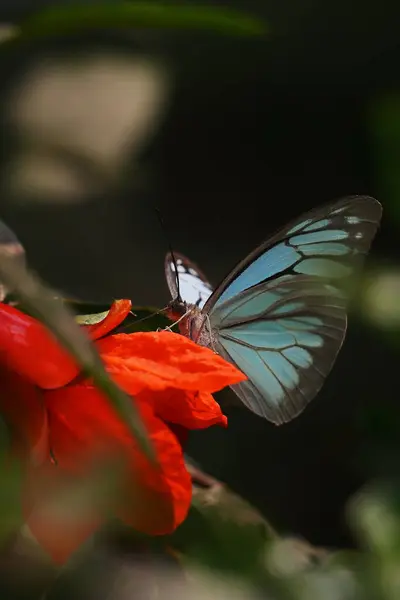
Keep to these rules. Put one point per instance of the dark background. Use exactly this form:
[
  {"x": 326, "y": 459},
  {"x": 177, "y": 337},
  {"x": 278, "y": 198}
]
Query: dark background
[{"x": 256, "y": 132}]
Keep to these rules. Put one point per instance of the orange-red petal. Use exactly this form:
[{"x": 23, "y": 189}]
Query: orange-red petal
[
  {"x": 160, "y": 500},
  {"x": 22, "y": 407},
  {"x": 57, "y": 514},
  {"x": 192, "y": 410},
  {"x": 161, "y": 360},
  {"x": 118, "y": 312},
  {"x": 84, "y": 426},
  {"x": 28, "y": 348}
]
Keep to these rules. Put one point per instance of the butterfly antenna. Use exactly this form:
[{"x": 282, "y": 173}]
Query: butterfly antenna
[
  {"x": 153, "y": 314},
  {"x": 161, "y": 221}
]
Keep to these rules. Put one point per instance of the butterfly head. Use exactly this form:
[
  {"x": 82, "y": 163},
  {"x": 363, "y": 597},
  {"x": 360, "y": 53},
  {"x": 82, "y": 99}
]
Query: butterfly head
[
  {"x": 176, "y": 309},
  {"x": 183, "y": 314}
]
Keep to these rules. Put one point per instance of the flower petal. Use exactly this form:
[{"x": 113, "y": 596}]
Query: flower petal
[
  {"x": 21, "y": 404},
  {"x": 163, "y": 493},
  {"x": 58, "y": 515},
  {"x": 162, "y": 360},
  {"x": 84, "y": 427},
  {"x": 192, "y": 410},
  {"x": 118, "y": 312},
  {"x": 29, "y": 349}
]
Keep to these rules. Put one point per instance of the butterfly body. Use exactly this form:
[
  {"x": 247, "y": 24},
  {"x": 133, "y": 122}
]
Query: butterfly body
[
  {"x": 195, "y": 290},
  {"x": 184, "y": 314},
  {"x": 280, "y": 315},
  {"x": 191, "y": 320}
]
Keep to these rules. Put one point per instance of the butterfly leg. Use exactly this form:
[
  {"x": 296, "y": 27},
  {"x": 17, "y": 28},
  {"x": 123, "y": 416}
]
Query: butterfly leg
[
  {"x": 209, "y": 329},
  {"x": 169, "y": 328}
]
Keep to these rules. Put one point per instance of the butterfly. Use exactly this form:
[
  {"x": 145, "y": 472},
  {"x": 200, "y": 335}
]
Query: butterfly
[{"x": 280, "y": 314}]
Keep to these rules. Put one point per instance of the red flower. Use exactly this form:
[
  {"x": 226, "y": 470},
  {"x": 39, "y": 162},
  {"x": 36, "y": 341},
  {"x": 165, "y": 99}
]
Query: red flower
[{"x": 53, "y": 411}]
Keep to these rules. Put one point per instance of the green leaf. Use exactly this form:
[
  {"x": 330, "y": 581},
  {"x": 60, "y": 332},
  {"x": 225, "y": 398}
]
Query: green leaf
[
  {"x": 42, "y": 303},
  {"x": 58, "y": 20},
  {"x": 91, "y": 319}
]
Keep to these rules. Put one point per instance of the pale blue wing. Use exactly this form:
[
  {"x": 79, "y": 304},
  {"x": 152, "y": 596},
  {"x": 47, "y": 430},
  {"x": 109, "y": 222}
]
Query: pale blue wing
[
  {"x": 280, "y": 316},
  {"x": 287, "y": 348},
  {"x": 328, "y": 242}
]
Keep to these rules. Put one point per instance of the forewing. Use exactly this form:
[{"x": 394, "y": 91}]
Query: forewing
[
  {"x": 287, "y": 347},
  {"x": 328, "y": 243},
  {"x": 194, "y": 287}
]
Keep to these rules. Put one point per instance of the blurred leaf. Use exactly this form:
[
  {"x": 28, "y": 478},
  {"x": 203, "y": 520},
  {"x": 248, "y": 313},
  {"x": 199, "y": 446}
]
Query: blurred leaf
[
  {"x": 11, "y": 481},
  {"x": 43, "y": 304},
  {"x": 10, "y": 245},
  {"x": 375, "y": 514},
  {"x": 68, "y": 19},
  {"x": 383, "y": 123},
  {"x": 223, "y": 531},
  {"x": 287, "y": 557},
  {"x": 379, "y": 297}
]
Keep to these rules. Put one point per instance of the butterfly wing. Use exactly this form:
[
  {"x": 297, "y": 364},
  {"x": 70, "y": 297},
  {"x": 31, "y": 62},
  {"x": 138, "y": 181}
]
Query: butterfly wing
[
  {"x": 328, "y": 242},
  {"x": 194, "y": 287},
  {"x": 288, "y": 346},
  {"x": 280, "y": 316}
]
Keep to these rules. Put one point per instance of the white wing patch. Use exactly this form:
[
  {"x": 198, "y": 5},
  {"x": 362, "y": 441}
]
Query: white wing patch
[{"x": 193, "y": 289}]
